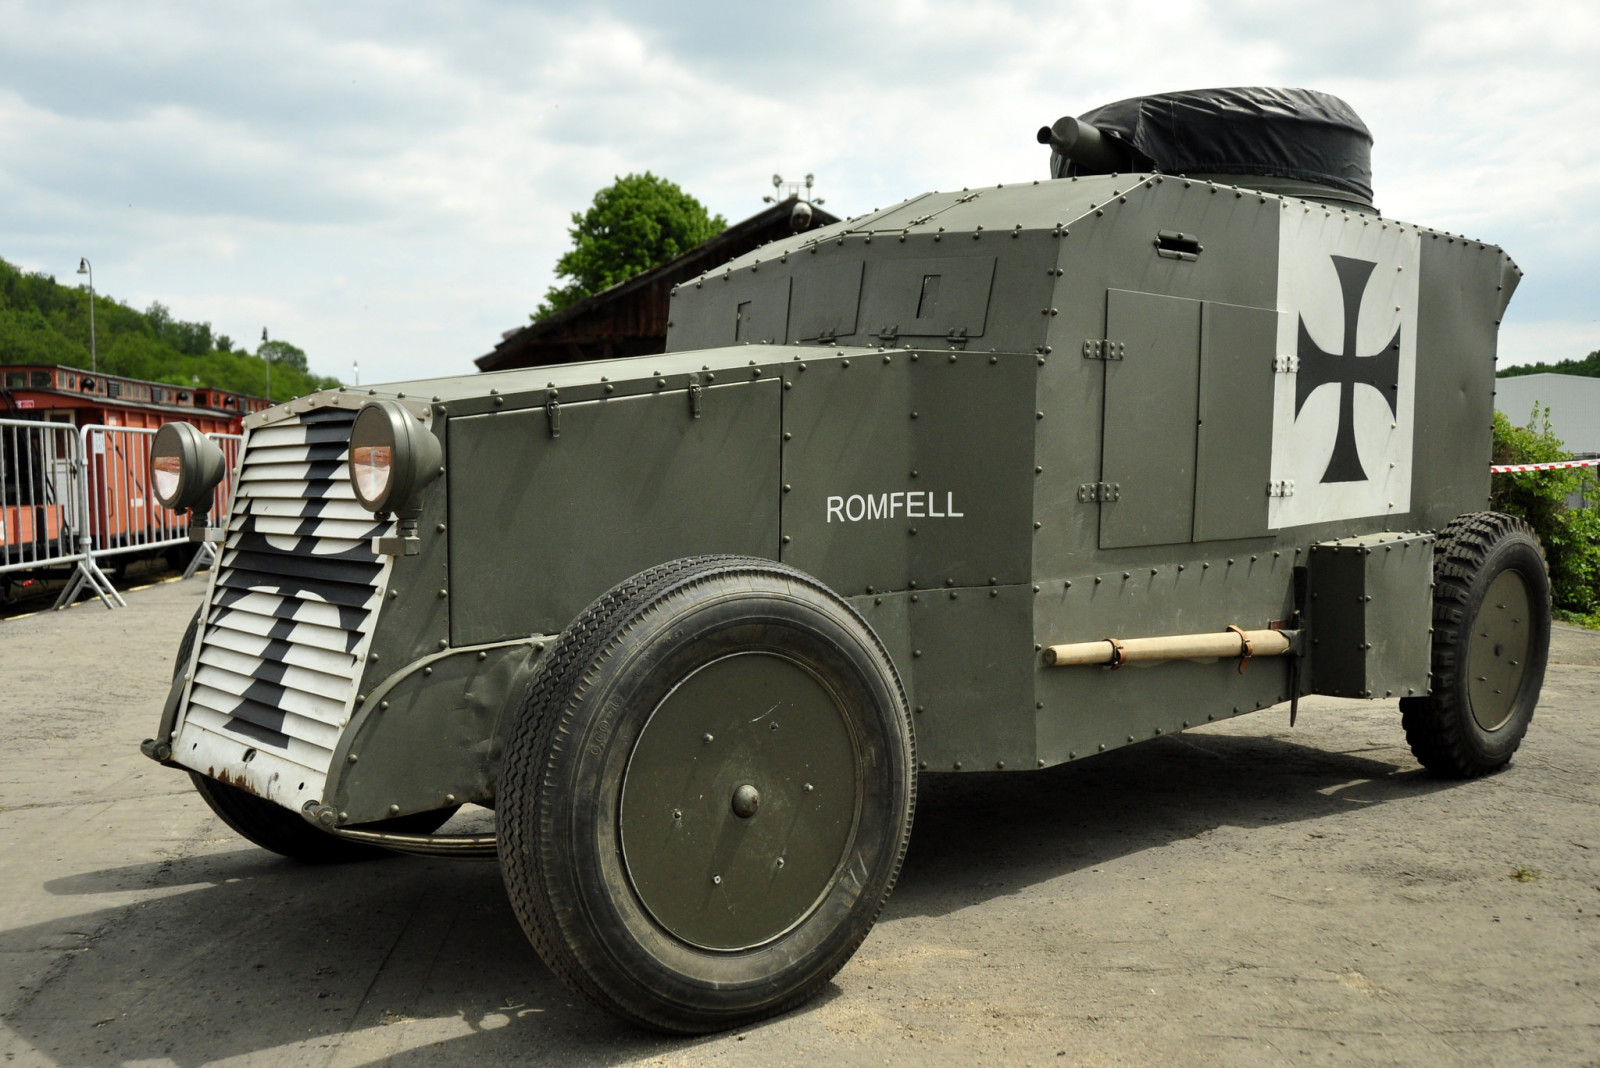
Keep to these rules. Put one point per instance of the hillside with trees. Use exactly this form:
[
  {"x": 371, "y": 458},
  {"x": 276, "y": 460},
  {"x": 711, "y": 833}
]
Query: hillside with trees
[
  {"x": 43, "y": 321},
  {"x": 1588, "y": 367}
]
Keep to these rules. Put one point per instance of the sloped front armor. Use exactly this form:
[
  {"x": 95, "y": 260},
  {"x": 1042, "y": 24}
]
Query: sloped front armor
[{"x": 290, "y": 617}]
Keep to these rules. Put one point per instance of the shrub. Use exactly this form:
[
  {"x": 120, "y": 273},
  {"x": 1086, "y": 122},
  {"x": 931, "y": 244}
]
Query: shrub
[{"x": 1571, "y": 535}]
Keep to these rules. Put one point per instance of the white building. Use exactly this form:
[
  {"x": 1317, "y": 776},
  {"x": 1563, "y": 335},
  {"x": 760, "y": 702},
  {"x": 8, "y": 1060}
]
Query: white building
[{"x": 1573, "y": 400}]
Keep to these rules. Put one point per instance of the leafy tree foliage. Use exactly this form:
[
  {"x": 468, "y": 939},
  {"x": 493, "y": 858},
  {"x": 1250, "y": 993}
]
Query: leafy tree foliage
[
  {"x": 42, "y": 321},
  {"x": 1546, "y": 499},
  {"x": 1589, "y": 367},
  {"x": 635, "y": 223}
]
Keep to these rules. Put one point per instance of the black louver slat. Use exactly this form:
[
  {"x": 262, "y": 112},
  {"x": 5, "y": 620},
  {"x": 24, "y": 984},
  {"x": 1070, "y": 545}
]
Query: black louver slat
[{"x": 341, "y": 582}]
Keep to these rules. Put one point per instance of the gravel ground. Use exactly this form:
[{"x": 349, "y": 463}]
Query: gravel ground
[{"x": 1241, "y": 894}]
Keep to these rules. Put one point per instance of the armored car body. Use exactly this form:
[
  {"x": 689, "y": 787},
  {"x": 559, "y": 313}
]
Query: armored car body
[{"x": 994, "y": 479}]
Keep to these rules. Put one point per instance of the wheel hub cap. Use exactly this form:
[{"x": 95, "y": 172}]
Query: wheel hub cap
[
  {"x": 739, "y": 802},
  {"x": 1497, "y": 654}
]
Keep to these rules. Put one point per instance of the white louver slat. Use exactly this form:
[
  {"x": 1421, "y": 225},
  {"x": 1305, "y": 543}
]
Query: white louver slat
[{"x": 290, "y": 617}]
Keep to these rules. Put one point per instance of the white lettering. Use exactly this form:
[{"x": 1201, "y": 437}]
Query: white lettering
[{"x": 917, "y": 504}]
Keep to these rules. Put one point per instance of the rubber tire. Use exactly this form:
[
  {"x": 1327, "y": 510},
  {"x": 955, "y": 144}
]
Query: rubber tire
[
  {"x": 275, "y": 828},
  {"x": 561, "y": 783},
  {"x": 1470, "y": 554}
]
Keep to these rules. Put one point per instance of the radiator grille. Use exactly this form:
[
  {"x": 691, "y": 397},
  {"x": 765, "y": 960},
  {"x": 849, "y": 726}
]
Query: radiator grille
[{"x": 290, "y": 616}]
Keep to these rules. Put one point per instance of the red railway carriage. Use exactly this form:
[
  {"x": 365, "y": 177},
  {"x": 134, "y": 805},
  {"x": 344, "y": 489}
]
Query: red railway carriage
[
  {"x": 83, "y": 398},
  {"x": 37, "y": 498}
]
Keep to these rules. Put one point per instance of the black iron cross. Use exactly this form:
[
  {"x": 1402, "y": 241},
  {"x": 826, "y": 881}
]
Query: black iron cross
[{"x": 1346, "y": 370}]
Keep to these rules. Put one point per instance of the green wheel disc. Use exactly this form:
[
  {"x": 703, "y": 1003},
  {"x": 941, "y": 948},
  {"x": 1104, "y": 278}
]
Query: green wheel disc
[
  {"x": 740, "y": 802},
  {"x": 1497, "y": 654}
]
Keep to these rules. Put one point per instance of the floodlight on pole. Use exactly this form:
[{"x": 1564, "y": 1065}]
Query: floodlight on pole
[{"x": 85, "y": 267}]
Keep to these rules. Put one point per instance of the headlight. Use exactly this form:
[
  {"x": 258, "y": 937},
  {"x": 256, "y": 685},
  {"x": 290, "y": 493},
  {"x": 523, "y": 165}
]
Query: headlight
[
  {"x": 187, "y": 467},
  {"x": 392, "y": 457}
]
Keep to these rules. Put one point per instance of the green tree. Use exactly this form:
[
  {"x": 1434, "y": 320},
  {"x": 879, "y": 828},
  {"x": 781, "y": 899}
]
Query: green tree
[
  {"x": 635, "y": 223},
  {"x": 282, "y": 353},
  {"x": 1588, "y": 366},
  {"x": 1571, "y": 535}
]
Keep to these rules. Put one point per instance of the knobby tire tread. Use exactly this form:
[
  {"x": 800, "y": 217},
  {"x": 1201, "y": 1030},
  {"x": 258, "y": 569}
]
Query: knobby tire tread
[
  {"x": 544, "y": 724},
  {"x": 1435, "y": 724}
]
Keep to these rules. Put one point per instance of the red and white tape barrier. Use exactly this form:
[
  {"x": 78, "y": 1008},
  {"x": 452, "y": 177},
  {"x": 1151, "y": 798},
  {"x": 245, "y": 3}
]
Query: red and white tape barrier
[{"x": 1509, "y": 468}]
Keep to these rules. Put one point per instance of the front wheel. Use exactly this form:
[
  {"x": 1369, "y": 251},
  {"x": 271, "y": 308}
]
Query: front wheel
[
  {"x": 1491, "y": 637},
  {"x": 707, "y": 794}
]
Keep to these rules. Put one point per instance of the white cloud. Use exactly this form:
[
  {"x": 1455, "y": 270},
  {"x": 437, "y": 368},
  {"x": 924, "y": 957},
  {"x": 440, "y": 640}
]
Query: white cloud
[{"x": 393, "y": 184}]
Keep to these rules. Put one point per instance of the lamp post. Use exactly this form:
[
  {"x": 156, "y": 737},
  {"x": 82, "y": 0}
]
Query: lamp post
[
  {"x": 85, "y": 267},
  {"x": 266, "y": 356}
]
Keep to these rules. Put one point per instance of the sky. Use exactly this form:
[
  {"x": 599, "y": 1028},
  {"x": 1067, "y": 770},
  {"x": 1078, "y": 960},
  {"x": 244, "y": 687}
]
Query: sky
[{"x": 390, "y": 184}]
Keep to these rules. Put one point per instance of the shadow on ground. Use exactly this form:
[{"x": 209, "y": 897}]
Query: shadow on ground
[{"x": 246, "y": 953}]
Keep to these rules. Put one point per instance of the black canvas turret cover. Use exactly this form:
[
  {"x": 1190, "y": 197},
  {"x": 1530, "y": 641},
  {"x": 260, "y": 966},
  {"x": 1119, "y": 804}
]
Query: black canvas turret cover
[{"x": 1289, "y": 133}]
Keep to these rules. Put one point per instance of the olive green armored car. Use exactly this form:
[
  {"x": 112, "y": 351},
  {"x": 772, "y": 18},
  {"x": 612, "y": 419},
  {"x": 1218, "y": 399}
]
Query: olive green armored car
[{"x": 988, "y": 480}]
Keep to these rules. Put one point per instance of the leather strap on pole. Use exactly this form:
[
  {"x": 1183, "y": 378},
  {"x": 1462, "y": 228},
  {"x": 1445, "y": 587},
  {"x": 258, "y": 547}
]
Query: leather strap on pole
[{"x": 1246, "y": 650}]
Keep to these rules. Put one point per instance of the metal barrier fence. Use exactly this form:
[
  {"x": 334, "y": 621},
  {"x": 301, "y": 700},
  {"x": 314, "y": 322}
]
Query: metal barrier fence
[
  {"x": 41, "y": 470},
  {"x": 74, "y": 496}
]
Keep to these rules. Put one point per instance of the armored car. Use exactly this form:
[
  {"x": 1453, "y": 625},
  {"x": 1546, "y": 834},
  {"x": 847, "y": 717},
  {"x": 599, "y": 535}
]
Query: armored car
[{"x": 994, "y": 479}]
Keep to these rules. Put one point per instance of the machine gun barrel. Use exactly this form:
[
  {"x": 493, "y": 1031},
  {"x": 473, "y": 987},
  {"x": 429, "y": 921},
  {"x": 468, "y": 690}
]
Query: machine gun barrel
[{"x": 1083, "y": 146}]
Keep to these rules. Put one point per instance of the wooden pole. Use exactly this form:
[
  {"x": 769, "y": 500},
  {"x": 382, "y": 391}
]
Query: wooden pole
[{"x": 1223, "y": 644}]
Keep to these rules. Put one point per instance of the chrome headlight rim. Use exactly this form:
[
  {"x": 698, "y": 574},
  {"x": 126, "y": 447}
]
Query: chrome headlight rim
[
  {"x": 414, "y": 456},
  {"x": 198, "y": 462}
]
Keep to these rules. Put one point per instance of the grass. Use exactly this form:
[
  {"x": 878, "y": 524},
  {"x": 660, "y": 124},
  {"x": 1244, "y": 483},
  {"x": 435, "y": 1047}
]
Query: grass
[
  {"x": 1525, "y": 875},
  {"x": 1590, "y": 620}
]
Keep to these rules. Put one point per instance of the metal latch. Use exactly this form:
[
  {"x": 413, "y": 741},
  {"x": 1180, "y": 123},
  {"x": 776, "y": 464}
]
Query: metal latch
[
  {"x": 1285, "y": 365},
  {"x": 204, "y": 532},
  {"x": 1099, "y": 348},
  {"x": 552, "y": 410},
  {"x": 695, "y": 392},
  {"x": 1096, "y": 492},
  {"x": 957, "y": 335},
  {"x": 396, "y": 545},
  {"x": 1280, "y": 487},
  {"x": 888, "y": 334}
]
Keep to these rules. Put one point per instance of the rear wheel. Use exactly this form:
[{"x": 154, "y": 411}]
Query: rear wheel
[
  {"x": 1491, "y": 636},
  {"x": 706, "y": 794}
]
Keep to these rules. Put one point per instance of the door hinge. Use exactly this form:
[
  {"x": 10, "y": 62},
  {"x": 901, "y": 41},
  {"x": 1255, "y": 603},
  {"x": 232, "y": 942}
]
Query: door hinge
[
  {"x": 1285, "y": 365},
  {"x": 1280, "y": 487},
  {"x": 887, "y": 335},
  {"x": 1099, "y": 348},
  {"x": 552, "y": 411},
  {"x": 695, "y": 393},
  {"x": 957, "y": 335},
  {"x": 1095, "y": 492}
]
